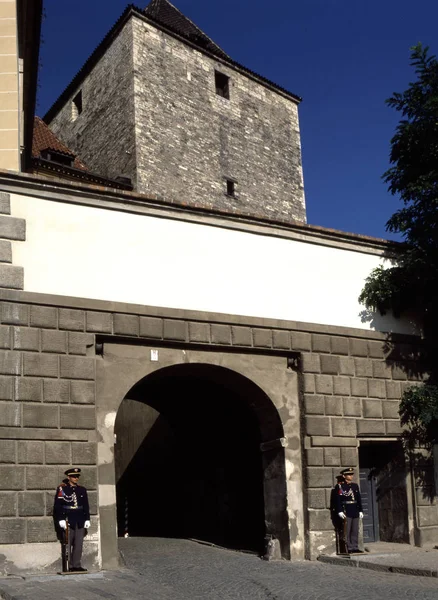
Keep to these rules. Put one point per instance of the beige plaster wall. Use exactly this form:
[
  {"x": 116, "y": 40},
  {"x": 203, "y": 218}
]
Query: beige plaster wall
[{"x": 9, "y": 87}]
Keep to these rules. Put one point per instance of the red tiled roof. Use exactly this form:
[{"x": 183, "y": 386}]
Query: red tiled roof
[{"x": 45, "y": 139}]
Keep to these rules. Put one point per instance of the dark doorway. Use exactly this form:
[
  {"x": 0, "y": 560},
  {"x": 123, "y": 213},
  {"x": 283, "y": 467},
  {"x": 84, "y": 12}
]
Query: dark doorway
[
  {"x": 383, "y": 487},
  {"x": 188, "y": 458}
]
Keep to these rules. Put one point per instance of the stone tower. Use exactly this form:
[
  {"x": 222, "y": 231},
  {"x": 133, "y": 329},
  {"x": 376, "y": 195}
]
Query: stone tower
[{"x": 159, "y": 102}]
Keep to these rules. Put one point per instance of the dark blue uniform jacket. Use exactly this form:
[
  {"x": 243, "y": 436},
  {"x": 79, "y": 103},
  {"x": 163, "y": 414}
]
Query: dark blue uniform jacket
[
  {"x": 71, "y": 502},
  {"x": 348, "y": 499}
]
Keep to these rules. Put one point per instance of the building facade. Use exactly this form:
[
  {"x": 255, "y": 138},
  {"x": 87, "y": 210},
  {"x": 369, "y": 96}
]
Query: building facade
[{"x": 210, "y": 371}]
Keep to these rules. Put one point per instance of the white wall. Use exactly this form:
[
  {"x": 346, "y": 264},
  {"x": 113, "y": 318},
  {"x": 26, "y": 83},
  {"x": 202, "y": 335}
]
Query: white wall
[{"x": 96, "y": 253}]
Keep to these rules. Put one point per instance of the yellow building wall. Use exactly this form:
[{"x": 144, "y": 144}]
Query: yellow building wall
[{"x": 9, "y": 87}]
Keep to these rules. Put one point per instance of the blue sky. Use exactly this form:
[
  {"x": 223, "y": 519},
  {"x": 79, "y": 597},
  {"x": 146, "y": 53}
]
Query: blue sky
[{"x": 343, "y": 58}]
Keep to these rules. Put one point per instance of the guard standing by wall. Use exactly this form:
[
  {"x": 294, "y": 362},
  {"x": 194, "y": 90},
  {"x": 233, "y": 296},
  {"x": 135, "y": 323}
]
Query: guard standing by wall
[
  {"x": 72, "y": 513},
  {"x": 349, "y": 508},
  {"x": 338, "y": 523}
]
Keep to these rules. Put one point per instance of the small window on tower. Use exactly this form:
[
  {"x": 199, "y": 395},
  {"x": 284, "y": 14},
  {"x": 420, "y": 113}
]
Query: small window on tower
[
  {"x": 76, "y": 107},
  {"x": 222, "y": 85},
  {"x": 231, "y": 187}
]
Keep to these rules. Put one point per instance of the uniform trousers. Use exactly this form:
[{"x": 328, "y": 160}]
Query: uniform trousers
[
  {"x": 76, "y": 540},
  {"x": 352, "y": 540}
]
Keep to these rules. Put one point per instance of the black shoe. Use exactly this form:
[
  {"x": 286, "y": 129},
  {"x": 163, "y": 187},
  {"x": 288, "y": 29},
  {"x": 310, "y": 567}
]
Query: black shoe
[{"x": 81, "y": 570}]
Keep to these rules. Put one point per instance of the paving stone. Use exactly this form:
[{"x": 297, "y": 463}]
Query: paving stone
[
  {"x": 26, "y": 338},
  {"x": 15, "y": 314},
  {"x": 78, "y": 417},
  {"x": 242, "y": 336},
  {"x": 40, "y": 365},
  {"x": 315, "y": 457},
  {"x": 82, "y": 392},
  {"x": 262, "y": 338},
  {"x": 310, "y": 363},
  {"x": 99, "y": 322},
  {"x": 28, "y": 389},
  {"x": 76, "y": 367},
  {"x": 12, "y": 531},
  {"x": 31, "y": 504},
  {"x": 329, "y": 364},
  {"x": 175, "y": 330},
  {"x": 73, "y": 320},
  {"x": 44, "y": 316},
  {"x": 10, "y": 362},
  {"x": 78, "y": 343},
  {"x": 54, "y": 341},
  {"x": 58, "y": 453},
  {"x": 339, "y": 345},
  {"x": 324, "y": 384},
  {"x": 7, "y": 451},
  {"x": 301, "y": 341},
  {"x": 8, "y": 504},
  {"x": 10, "y": 414},
  {"x": 36, "y": 415},
  {"x": 344, "y": 427},
  {"x": 151, "y": 327},
  {"x": 199, "y": 332},
  {"x": 314, "y": 404},
  {"x": 126, "y": 324},
  {"x": 55, "y": 390},
  {"x": 6, "y": 388},
  {"x": 333, "y": 405},
  {"x": 358, "y": 347},
  {"x": 30, "y": 452},
  {"x": 281, "y": 339}
]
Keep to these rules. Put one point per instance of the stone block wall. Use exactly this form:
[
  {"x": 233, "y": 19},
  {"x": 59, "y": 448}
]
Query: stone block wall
[
  {"x": 190, "y": 140},
  {"x": 11, "y": 228},
  {"x": 103, "y": 134},
  {"x": 47, "y": 415}
]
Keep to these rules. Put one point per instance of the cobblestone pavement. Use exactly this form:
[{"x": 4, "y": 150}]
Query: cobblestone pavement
[{"x": 159, "y": 569}]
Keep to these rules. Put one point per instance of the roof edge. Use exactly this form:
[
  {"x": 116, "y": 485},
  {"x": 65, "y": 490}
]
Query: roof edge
[{"x": 132, "y": 10}]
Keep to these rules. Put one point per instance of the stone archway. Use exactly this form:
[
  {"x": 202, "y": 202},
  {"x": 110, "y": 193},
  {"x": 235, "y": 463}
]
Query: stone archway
[
  {"x": 188, "y": 457},
  {"x": 254, "y": 397}
]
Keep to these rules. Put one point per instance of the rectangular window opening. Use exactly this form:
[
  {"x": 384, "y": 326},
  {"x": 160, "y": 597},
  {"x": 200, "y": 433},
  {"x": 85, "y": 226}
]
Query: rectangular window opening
[
  {"x": 231, "y": 188},
  {"x": 222, "y": 82},
  {"x": 76, "y": 107}
]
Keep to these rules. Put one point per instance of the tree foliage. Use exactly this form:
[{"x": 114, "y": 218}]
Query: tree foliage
[{"x": 410, "y": 284}]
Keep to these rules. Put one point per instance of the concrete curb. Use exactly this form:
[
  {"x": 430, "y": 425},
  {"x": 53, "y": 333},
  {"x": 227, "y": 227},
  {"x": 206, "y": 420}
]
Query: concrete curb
[{"x": 376, "y": 566}]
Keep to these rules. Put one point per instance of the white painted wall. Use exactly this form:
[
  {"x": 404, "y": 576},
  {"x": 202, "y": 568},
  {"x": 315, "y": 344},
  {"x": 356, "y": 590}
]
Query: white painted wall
[{"x": 97, "y": 253}]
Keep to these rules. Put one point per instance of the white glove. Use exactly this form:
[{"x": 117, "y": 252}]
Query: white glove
[
  {"x": 63, "y": 524},
  {"x": 87, "y": 524},
  {"x": 361, "y": 515},
  {"x": 342, "y": 516}
]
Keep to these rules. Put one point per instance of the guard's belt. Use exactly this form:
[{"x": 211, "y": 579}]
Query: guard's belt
[
  {"x": 350, "y": 502},
  {"x": 73, "y": 507}
]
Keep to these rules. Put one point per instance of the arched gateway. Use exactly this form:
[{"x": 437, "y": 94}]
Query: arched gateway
[{"x": 200, "y": 449}]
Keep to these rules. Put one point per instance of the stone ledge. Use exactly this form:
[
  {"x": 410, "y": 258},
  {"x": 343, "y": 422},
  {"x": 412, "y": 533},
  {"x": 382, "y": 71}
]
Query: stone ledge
[
  {"x": 334, "y": 442},
  {"x": 44, "y": 434}
]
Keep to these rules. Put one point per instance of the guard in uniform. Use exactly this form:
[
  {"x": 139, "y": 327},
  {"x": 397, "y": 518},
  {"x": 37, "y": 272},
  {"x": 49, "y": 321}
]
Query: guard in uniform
[
  {"x": 71, "y": 503},
  {"x": 338, "y": 523},
  {"x": 349, "y": 508}
]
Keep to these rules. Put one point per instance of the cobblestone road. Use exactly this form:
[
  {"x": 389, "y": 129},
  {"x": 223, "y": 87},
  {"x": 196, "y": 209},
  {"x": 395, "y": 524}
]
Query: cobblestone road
[{"x": 158, "y": 569}]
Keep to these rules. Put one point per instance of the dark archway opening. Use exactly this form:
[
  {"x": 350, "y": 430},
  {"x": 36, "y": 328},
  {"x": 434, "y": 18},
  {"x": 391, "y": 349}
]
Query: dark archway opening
[{"x": 188, "y": 458}]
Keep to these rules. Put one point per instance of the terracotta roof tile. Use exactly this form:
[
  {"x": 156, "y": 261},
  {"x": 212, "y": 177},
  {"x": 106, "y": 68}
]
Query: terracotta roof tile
[{"x": 45, "y": 139}]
